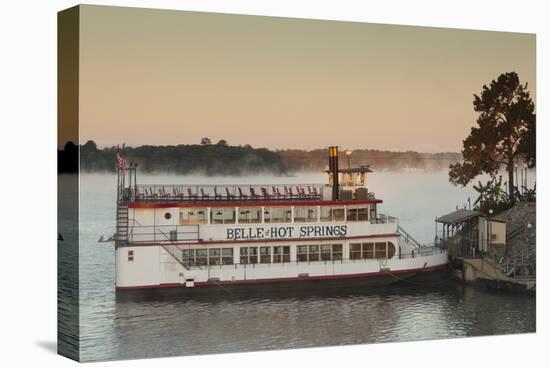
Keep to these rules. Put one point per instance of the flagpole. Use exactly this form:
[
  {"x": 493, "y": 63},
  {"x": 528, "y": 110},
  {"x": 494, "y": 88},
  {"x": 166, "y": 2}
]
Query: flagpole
[{"x": 117, "y": 179}]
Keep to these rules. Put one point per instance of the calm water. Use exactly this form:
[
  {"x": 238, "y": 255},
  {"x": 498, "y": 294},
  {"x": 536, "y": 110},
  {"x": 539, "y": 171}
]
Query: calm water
[{"x": 173, "y": 325}]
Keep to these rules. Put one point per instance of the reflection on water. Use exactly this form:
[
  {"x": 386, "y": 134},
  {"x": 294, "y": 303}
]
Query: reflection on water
[
  {"x": 227, "y": 323},
  {"x": 67, "y": 267},
  {"x": 176, "y": 325}
]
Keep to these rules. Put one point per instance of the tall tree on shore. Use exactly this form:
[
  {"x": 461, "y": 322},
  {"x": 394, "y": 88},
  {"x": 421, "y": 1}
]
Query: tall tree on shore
[
  {"x": 505, "y": 126},
  {"x": 528, "y": 145}
]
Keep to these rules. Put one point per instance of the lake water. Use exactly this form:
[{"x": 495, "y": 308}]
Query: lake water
[{"x": 173, "y": 325}]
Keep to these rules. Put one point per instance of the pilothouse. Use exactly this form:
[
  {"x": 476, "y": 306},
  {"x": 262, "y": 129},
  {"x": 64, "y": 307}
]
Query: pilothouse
[{"x": 198, "y": 236}]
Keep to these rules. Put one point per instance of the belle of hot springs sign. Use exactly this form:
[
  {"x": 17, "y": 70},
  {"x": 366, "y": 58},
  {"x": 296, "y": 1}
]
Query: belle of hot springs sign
[{"x": 286, "y": 232}]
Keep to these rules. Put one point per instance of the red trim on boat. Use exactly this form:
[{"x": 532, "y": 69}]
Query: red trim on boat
[
  {"x": 207, "y": 203},
  {"x": 260, "y": 241},
  {"x": 293, "y": 279}
]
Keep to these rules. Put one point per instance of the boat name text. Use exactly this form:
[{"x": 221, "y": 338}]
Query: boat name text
[{"x": 286, "y": 232}]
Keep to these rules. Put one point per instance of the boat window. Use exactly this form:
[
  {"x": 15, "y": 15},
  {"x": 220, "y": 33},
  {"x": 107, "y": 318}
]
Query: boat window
[
  {"x": 131, "y": 255},
  {"x": 188, "y": 257},
  {"x": 222, "y": 215},
  {"x": 277, "y": 254},
  {"x": 277, "y": 214},
  {"x": 308, "y": 253},
  {"x": 229, "y": 215},
  {"x": 214, "y": 256},
  {"x": 227, "y": 256},
  {"x": 338, "y": 214},
  {"x": 357, "y": 213},
  {"x": 368, "y": 250},
  {"x": 313, "y": 253},
  {"x": 265, "y": 255},
  {"x": 248, "y": 255},
  {"x": 305, "y": 214},
  {"x": 391, "y": 250},
  {"x": 326, "y": 252},
  {"x": 301, "y": 254},
  {"x": 380, "y": 250},
  {"x": 250, "y": 214},
  {"x": 216, "y": 215},
  {"x": 244, "y": 255},
  {"x": 329, "y": 213},
  {"x": 286, "y": 253},
  {"x": 337, "y": 252},
  {"x": 326, "y": 214},
  {"x": 193, "y": 215},
  {"x": 281, "y": 254},
  {"x": 355, "y": 251},
  {"x": 201, "y": 257},
  {"x": 253, "y": 255}
]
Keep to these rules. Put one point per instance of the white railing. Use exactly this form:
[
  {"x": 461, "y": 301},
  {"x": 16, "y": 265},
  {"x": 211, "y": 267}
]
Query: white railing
[
  {"x": 382, "y": 219},
  {"x": 164, "y": 233},
  {"x": 175, "y": 192}
]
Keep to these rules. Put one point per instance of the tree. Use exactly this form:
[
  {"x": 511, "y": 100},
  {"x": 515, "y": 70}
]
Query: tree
[
  {"x": 222, "y": 142},
  {"x": 90, "y": 145},
  {"x": 528, "y": 145},
  {"x": 505, "y": 121},
  {"x": 206, "y": 141}
]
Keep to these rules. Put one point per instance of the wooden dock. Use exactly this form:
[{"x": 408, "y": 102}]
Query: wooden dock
[{"x": 484, "y": 271}]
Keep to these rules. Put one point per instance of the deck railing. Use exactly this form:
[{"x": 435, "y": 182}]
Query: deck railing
[
  {"x": 382, "y": 219},
  {"x": 176, "y": 234},
  {"x": 176, "y": 192}
]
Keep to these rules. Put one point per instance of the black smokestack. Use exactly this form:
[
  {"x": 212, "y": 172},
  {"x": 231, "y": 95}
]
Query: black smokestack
[{"x": 333, "y": 167}]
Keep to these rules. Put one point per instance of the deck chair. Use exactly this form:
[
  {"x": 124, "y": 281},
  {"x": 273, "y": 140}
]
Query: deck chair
[
  {"x": 253, "y": 193},
  {"x": 276, "y": 192},
  {"x": 241, "y": 195},
  {"x": 190, "y": 195},
  {"x": 204, "y": 196},
  {"x": 229, "y": 195}
]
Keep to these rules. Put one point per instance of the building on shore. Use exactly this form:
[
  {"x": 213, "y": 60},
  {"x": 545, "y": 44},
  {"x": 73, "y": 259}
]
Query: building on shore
[
  {"x": 469, "y": 233},
  {"x": 497, "y": 252}
]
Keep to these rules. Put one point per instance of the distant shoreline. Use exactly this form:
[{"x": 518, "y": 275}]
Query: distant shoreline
[{"x": 225, "y": 160}]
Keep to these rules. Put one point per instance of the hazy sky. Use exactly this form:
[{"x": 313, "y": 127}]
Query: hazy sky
[{"x": 173, "y": 77}]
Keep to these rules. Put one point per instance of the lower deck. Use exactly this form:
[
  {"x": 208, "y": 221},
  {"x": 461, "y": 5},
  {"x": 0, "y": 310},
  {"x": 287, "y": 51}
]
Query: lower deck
[{"x": 156, "y": 266}]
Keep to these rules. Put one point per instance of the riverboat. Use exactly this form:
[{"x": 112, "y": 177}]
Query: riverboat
[{"x": 222, "y": 236}]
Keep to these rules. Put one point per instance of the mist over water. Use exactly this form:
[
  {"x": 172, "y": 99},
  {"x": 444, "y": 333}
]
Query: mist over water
[{"x": 166, "y": 326}]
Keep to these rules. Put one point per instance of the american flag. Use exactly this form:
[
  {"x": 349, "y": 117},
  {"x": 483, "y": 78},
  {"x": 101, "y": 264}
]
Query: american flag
[{"x": 121, "y": 161}]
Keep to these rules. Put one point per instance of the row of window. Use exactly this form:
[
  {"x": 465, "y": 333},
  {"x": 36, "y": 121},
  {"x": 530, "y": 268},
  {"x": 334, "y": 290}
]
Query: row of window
[
  {"x": 213, "y": 256},
  {"x": 281, "y": 214},
  {"x": 319, "y": 252},
  {"x": 281, "y": 254},
  {"x": 261, "y": 255},
  {"x": 249, "y": 255},
  {"x": 371, "y": 250}
]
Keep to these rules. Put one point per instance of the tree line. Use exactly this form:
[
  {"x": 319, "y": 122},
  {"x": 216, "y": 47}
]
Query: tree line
[
  {"x": 223, "y": 159},
  {"x": 377, "y": 160},
  {"x": 209, "y": 159}
]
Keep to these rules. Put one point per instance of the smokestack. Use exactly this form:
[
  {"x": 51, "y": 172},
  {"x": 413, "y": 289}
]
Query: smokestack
[{"x": 333, "y": 167}]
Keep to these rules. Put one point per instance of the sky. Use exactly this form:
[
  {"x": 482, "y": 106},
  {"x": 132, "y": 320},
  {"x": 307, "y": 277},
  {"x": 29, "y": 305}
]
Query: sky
[{"x": 165, "y": 77}]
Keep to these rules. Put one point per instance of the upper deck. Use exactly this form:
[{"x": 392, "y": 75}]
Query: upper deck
[
  {"x": 345, "y": 198},
  {"x": 231, "y": 194}
]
